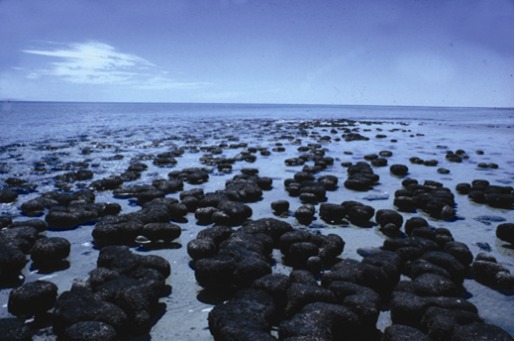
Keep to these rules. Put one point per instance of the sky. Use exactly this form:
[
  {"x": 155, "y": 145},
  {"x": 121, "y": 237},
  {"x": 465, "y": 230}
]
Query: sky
[{"x": 455, "y": 53}]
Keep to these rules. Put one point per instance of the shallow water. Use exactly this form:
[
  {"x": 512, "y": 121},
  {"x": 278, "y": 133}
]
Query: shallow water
[{"x": 57, "y": 133}]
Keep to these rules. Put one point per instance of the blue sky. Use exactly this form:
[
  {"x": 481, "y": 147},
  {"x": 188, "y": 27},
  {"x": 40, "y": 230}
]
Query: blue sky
[{"x": 383, "y": 52}]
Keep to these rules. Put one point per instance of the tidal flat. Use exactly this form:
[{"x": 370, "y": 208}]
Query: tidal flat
[{"x": 279, "y": 149}]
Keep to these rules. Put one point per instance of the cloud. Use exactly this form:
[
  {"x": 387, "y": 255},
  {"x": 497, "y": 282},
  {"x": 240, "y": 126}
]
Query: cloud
[
  {"x": 99, "y": 63},
  {"x": 161, "y": 82}
]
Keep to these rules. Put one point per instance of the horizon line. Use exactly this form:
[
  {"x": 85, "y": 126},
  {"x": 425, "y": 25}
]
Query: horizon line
[{"x": 259, "y": 104}]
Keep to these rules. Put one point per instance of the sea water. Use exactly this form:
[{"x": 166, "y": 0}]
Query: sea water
[{"x": 57, "y": 133}]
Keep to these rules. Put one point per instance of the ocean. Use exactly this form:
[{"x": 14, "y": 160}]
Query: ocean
[
  {"x": 42, "y": 120},
  {"x": 54, "y": 135}
]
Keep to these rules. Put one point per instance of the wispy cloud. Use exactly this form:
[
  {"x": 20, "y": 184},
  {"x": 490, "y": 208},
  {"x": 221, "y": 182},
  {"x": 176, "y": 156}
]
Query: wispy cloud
[{"x": 99, "y": 63}]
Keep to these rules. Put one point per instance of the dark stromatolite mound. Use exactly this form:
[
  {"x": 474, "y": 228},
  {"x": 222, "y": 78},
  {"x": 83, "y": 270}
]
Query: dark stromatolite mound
[
  {"x": 379, "y": 271},
  {"x": 504, "y": 232},
  {"x": 280, "y": 206},
  {"x": 132, "y": 191},
  {"x": 413, "y": 223},
  {"x": 361, "y": 300},
  {"x": 308, "y": 197},
  {"x": 240, "y": 260},
  {"x": 361, "y": 177},
  {"x": 161, "y": 231},
  {"x": 300, "y": 294},
  {"x": 276, "y": 285},
  {"x": 192, "y": 175},
  {"x": 115, "y": 230},
  {"x": 459, "y": 325},
  {"x": 482, "y": 192},
  {"x": 70, "y": 177},
  {"x": 385, "y": 153},
  {"x": 79, "y": 305},
  {"x": 429, "y": 284},
  {"x": 391, "y": 230},
  {"x": 121, "y": 292},
  {"x": 13, "y": 329},
  {"x": 265, "y": 183},
  {"x": 201, "y": 248},
  {"x": 330, "y": 182},
  {"x": 379, "y": 162},
  {"x": 38, "y": 224},
  {"x": 129, "y": 176},
  {"x": 171, "y": 186},
  {"x": 19, "y": 186},
  {"x": 499, "y": 200},
  {"x": 432, "y": 197},
  {"x": 487, "y": 271},
  {"x": 12, "y": 261},
  {"x": 191, "y": 202},
  {"x": 463, "y": 188},
  {"x": 409, "y": 309},
  {"x": 358, "y": 213},
  {"x": 354, "y": 137},
  {"x": 459, "y": 250},
  {"x": 13, "y": 181},
  {"x": 126, "y": 228},
  {"x": 370, "y": 157},
  {"x": 8, "y": 196},
  {"x": 22, "y": 238},
  {"x": 434, "y": 254},
  {"x": 386, "y": 216},
  {"x": 90, "y": 331},
  {"x": 231, "y": 213},
  {"x": 68, "y": 210},
  {"x": 5, "y": 221},
  {"x": 246, "y": 317},
  {"x": 330, "y": 212},
  {"x": 339, "y": 310},
  {"x": 305, "y": 214},
  {"x": 399, "y": 332},
  {"x": 246, "y": 191},
  {"x": 149, "y": 195},
  {"x": 37, "y": 205},
  {"x": 226, "y": 258},
  {"x": 309, "y": 190},
  {"x": 452, "y": 157},
  {"x": 416, "y": 160},
  {"x": 220, "y": 208},
  {"x": 300, "y": 252},
  {"x": 399, "y": 170},
  {"x": 47, "y": 251},
  {"x": 204, "y": 214},
  {"x": 106, "y": 184},
  {"x": 321, "y": 321},
  {"x": 137, "y": 167},
  {"x": 164, "y": 161},
  {"x": 270, "y": 226},
  {"x": 32, "y": 299},
  {"x": 79, "y": 213}
]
